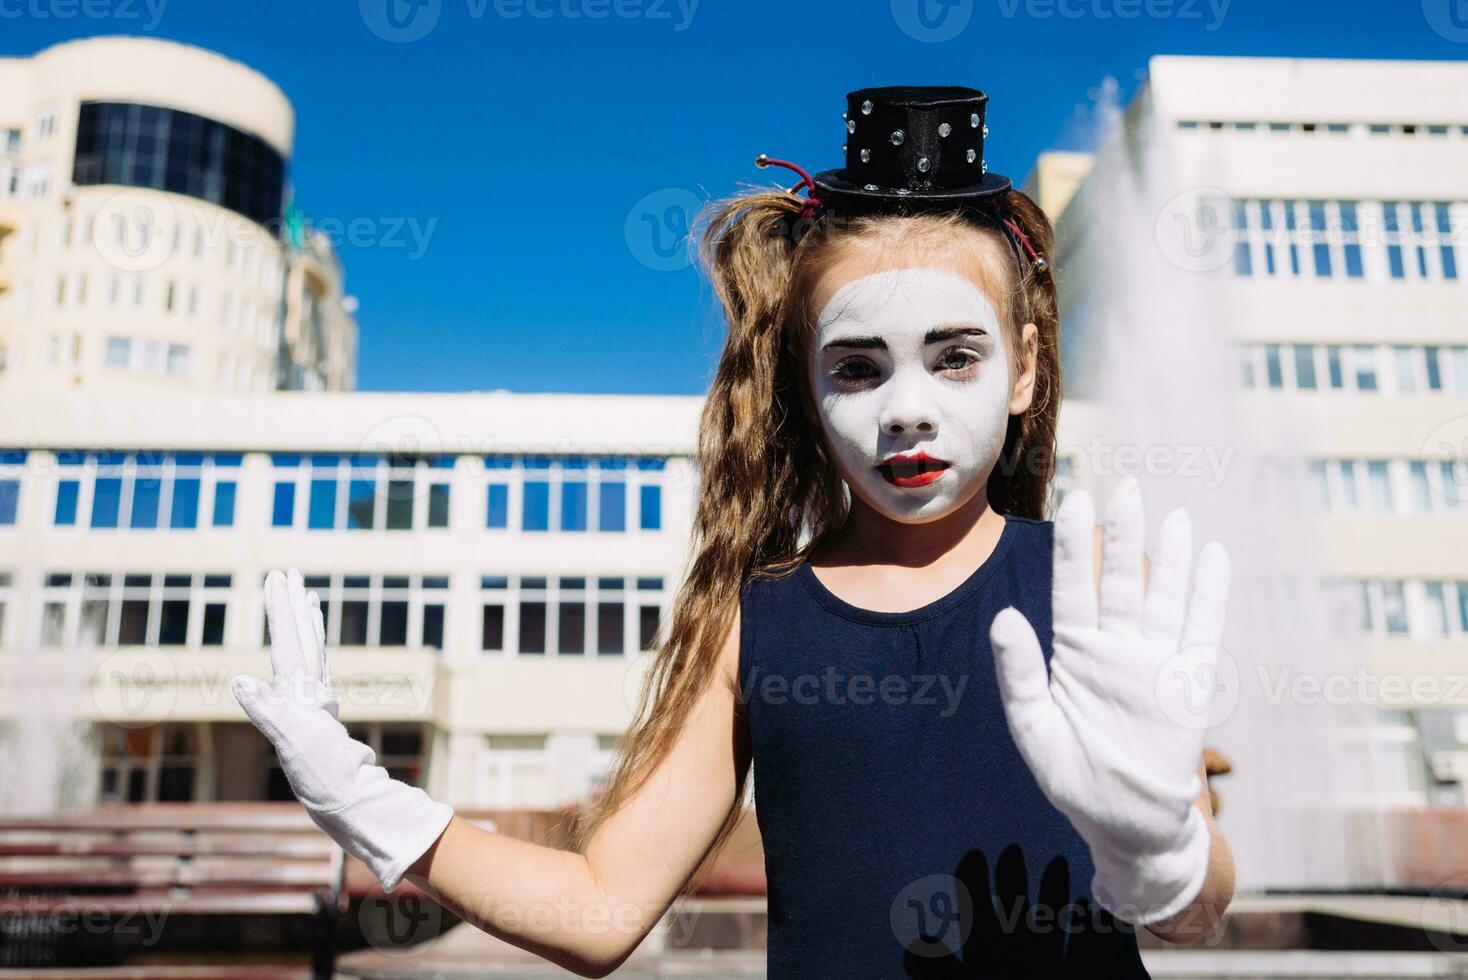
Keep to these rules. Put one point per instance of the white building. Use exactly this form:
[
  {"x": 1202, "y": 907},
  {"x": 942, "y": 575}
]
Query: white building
[
  {"x": 144, "y": 239},
  {"x": 1341, "y": 193},
  {"x": 490, "y": 565}
]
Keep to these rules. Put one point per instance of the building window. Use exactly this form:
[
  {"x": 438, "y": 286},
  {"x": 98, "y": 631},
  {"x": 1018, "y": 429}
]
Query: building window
[
  {"x": 12, "y": 465},
  {"x": 363, "y": 493},
  {"x": 382, "y": 610},
  {"x": 135, "y": 145},
  {"x": 135, "y": 609},
  {"x": 138, "y": 491},
  {"x": 569, "y": 615},
  {"x": 515, "y": 771},
  {"x": 572, "y": 493},
  {"x": 156, "y": 764}
]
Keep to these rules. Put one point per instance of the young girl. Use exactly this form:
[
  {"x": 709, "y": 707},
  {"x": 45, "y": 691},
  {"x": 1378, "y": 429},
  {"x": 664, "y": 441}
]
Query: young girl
[{"x": 967, "y": 762}]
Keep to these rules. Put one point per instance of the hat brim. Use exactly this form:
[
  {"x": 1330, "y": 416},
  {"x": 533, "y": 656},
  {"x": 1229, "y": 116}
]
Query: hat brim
[{"x": 841, "y": 194}]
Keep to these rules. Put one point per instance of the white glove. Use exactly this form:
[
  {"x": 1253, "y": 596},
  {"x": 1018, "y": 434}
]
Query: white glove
[
  {"x": 386, "y": 823},
  {"x": 1112, "y": 735}
]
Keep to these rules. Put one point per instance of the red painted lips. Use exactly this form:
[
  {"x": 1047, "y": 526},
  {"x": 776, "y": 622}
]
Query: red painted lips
[{"x": 912, "y": 469}]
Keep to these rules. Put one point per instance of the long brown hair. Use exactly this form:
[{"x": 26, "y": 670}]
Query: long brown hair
[{"x": 769, "y": 491}]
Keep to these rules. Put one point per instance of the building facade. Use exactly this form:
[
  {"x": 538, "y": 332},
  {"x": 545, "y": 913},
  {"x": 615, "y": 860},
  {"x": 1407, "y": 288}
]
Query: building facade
[
  {"x": 1331, "y": 200},
  {"x": 144, "y": 241},
  {"x": 491, "y": 568}
]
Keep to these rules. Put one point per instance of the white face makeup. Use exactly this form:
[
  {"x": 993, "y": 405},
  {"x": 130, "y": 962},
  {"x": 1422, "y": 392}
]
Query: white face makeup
[{"x": 911, "y": 363}]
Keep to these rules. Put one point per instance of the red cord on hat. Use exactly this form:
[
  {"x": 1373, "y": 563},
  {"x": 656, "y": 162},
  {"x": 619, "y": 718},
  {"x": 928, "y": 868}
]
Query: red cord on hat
[
  {"x": 812, "y": 202},
  {"x": 1025, "y": 241}
]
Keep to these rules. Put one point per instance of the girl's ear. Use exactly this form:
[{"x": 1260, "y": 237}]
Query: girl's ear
[{"x": 1023, "y": 392}]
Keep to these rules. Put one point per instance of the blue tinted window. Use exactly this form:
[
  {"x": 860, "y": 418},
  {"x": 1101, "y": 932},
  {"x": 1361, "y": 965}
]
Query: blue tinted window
[
  {"x": 285, "y": 459},
  {"x": 1243, "y": 262},
  {"x": 9, "y": 500},
  {"x": 651, "y": 499},
  {"x": 283, "y": 507},
  {"x": 106, "y": 502},
  {"x": 498, "y": 512},
  {"x": 650, "y": 462},
  {"x": 361, "y": 504},
  {"x": 613, "y": 462},
  {"x": 499, "y": 461},
  {"x": 321, "y": 509},
  {"x": 185, "y": 507},
  {"x": 146, "y": 492},
  {"x": 536, "y": 462},
  {"x": 1322, "y": 261},
  {"x": 228, "y": 459},
  {"x": 573, "y": 506},
  {"x": 224, "y": 503},
  {"x": 1450, "y": 263},
  {"x": 573, "y": 462},
  {"x": 1394, "y": 257},
  {"x": 438, "y": 505},
  {"x": 66, "y": 494},
  {"x": 612, "y": 503},
  {"x": 1353, "y": 261},
  {"x": 188, "y": 459},
  {"x": 536, "y": 512}
]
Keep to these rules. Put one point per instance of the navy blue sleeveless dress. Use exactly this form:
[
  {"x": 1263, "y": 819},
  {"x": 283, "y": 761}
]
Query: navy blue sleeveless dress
[{"x": 905, "y": 838}]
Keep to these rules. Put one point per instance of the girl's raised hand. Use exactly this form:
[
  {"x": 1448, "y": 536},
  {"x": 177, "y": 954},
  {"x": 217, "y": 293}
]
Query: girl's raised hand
[
  {"x": 386, "y": 823},
  {"x": 1113, "y": 734}
]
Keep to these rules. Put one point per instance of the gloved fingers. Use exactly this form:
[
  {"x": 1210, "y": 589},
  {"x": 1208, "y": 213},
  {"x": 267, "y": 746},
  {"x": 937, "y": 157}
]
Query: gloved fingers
[
  {"x": 1122, "y": 539},
  {"x": 1024, "y": 682},
  {"x": 1167, "y": 585},
  {"x": 319, "y": 621},
  {"x": 1074, "y": 603},
  {"x": 287, "y": 657},
  {"x": 1204, "y": 628},
  {"x": 305, "y": 628},
  {"x": 251, "y": 695}
]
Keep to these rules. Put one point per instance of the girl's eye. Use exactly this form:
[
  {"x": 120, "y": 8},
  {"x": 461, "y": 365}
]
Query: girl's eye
[
  {"x": 957, "y": 359},
  {"x": 851, "y": 370}
]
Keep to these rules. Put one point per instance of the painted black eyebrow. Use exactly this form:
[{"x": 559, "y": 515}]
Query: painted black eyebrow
[{"x": 931, "y": 337}]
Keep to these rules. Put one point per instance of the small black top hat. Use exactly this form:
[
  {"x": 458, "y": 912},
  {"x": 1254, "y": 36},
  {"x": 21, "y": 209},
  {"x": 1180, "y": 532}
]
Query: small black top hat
[{"x": 911, "y": 147}]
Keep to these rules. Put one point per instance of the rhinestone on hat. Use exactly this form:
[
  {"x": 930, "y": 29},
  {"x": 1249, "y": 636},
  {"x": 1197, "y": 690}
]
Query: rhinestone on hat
[
  {"x": 871, "y": 187},
  {"x": 971, "y": 156},
  {"x": 986, "y": 130},
  {"x": 851, "y": 125},
  {"x": 924, "y": 165},
  {"x": 866, "y": 108},
  {"x": 866, "y": 155},
  {"x": 944, "y": 129},
  {"x": 984, "y": 168},
  {"x": 903, "y": 191},
  {"x": 973, "y": 121},
  {"x": 897, "y": 137}
]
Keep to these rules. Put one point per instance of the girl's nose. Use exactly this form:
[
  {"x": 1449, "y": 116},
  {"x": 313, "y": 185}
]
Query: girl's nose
[{"x": 907, "y": 412}]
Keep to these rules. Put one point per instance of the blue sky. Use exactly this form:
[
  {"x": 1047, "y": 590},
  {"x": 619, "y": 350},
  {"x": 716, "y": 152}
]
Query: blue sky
[{"x": 515, "y": 174}]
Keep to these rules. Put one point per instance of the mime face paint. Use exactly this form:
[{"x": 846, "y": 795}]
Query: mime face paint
[{"x": 911, "y": 363}]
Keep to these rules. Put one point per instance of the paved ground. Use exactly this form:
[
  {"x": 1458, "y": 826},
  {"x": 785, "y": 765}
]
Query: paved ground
[{"x": 464, "y": 952}]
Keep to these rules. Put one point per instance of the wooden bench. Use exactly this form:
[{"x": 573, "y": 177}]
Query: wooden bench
[{"x": 103, "y": 884}]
